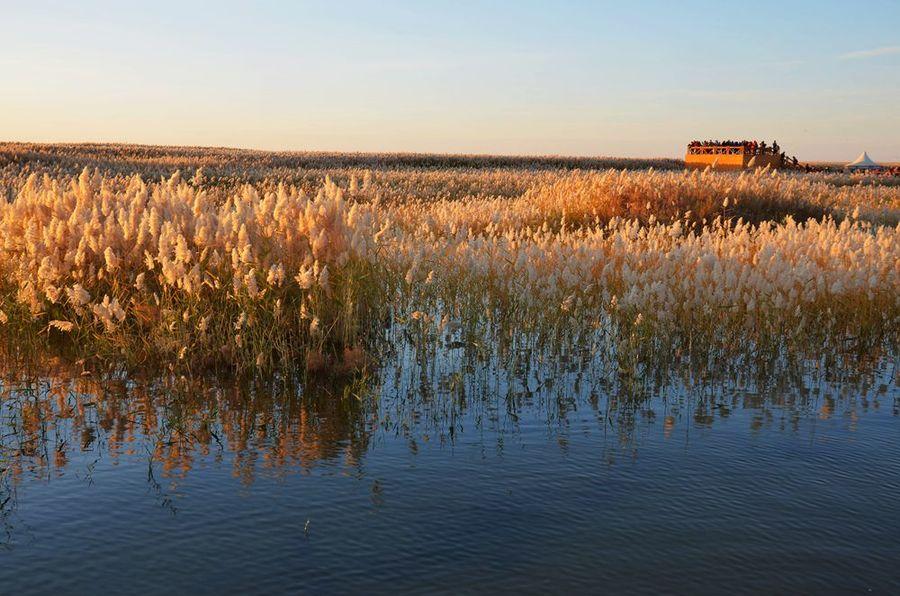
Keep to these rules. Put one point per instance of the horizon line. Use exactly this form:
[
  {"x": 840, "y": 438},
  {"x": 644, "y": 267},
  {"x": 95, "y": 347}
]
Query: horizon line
[{"x": 357, "y": 152}]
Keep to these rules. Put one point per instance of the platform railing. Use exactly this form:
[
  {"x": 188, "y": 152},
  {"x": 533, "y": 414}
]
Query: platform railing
[{"x": 728, "y": 150}]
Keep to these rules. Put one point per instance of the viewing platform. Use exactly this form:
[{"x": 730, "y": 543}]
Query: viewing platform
[{"x": 731, "y": 157}]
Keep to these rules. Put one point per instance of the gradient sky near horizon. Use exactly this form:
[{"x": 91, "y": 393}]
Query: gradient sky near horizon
[{"x": 519, "y": 77}]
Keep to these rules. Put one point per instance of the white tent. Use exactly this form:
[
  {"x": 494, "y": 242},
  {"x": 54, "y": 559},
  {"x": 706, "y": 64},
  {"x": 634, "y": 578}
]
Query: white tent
[{"x": 863, "y": 162}]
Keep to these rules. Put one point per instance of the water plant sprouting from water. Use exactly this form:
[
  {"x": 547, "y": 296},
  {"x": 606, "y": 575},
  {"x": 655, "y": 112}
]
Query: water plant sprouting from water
[{"x": 197, "y": 273}]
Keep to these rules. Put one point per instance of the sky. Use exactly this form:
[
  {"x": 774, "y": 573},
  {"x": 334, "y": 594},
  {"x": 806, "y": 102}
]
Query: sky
[{"x": 619, "y": 78}]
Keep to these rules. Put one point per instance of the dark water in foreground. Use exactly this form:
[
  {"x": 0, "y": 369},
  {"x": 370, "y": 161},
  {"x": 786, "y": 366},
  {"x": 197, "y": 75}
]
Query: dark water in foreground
[{"x": 435, "y": 486}]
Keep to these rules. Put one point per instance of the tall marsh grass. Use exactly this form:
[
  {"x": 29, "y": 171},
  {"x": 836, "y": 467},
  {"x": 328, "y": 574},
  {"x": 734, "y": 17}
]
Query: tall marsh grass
[{"x": 198, "y": 274}]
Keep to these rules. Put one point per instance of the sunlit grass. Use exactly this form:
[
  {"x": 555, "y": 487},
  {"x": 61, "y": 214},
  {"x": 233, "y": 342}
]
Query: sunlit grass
[{"x": 197, "y": 274}]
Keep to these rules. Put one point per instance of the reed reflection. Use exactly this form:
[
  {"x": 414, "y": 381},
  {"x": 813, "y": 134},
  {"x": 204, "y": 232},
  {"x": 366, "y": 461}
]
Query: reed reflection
[
  {"x": 174, "y": 423},
  {"x": 62, "y": 420}
]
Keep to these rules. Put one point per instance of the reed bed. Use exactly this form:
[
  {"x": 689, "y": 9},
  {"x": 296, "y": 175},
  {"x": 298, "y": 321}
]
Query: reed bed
[
  {"x": 254, "y": 165},
  {"x": 167, "y": 269},
  {"x": 199, "y": 273}
]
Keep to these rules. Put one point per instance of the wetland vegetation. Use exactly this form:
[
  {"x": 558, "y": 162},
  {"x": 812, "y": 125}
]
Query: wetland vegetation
[{"x": 204, "y": 349}]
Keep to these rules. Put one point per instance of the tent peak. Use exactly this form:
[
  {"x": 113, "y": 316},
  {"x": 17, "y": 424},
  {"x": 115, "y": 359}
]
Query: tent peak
[{"x": 863, "y": 161}]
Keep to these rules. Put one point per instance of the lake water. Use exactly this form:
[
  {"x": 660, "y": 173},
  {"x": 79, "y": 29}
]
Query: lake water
[{"x": 459, "y": 480}]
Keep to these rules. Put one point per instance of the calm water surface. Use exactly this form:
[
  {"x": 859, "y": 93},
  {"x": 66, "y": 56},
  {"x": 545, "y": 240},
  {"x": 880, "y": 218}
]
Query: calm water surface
[{"x": 454, "y": 482}]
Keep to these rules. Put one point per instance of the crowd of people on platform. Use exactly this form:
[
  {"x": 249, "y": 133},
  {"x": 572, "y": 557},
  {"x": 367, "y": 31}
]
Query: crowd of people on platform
[
  {"x": 761, "y": 148},
  {"x": 754, "y": 147},
  {"x": 751, "y": 147}
]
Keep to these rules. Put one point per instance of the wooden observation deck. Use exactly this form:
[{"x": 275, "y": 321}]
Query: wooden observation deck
[{"x": 730, "y": 157}]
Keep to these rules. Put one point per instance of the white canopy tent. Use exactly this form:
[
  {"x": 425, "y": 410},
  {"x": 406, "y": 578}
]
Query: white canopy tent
[{"x": 863, "y": 162}]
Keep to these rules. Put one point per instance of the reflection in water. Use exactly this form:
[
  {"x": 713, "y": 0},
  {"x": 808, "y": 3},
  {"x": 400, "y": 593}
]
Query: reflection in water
[
  {"x": 49, "y": 420},
  {"x": 174, "y": 423},
  {"x": 456, "y": 468}
]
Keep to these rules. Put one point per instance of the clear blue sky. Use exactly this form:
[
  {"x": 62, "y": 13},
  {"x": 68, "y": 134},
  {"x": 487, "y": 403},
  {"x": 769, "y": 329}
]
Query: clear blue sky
[{"x": 611, "y": 78}]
